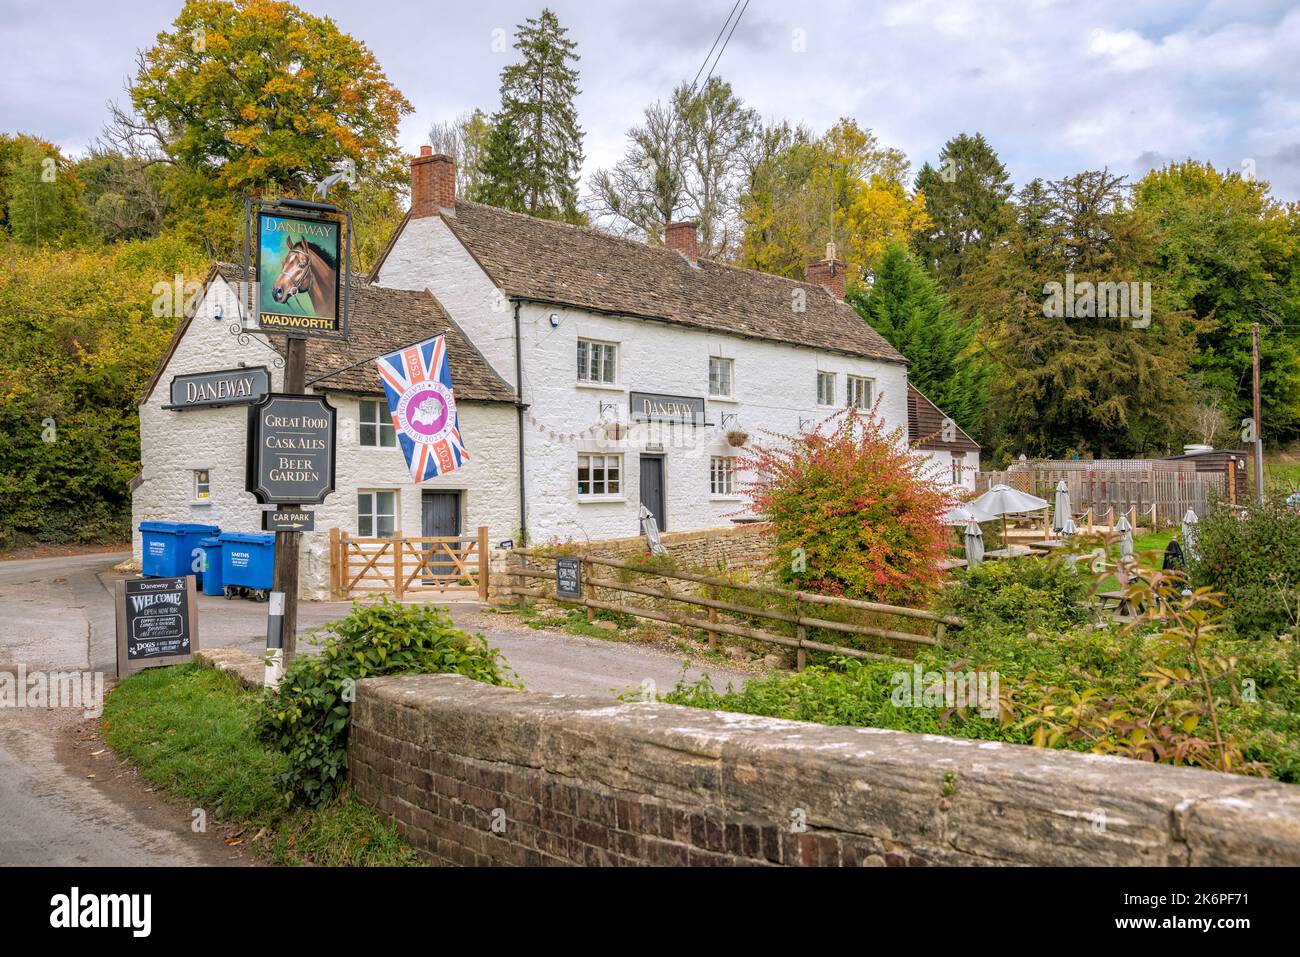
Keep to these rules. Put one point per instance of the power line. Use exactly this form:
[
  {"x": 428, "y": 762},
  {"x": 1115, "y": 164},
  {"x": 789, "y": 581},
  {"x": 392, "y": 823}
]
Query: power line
[
  {"x": 725, "y": 42},
  {"x": 715, "y": 45}
]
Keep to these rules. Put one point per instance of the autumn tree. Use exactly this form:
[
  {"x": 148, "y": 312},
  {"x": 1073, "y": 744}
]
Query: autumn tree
[
  {"x": 260, "y": 96},
  {"x": 844, "y": 187},
  {"x": 38, "y": 190},
  {"x": 534, "y": 154}
]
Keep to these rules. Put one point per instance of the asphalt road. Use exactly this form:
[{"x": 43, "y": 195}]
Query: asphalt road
[{"x": 56, "y": 614}]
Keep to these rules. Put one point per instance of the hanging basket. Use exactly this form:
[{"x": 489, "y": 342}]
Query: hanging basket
[
  {"x": 737, "y": 437},
  {"x": 615, "y": 430}
]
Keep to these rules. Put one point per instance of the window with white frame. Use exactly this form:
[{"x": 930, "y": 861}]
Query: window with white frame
[
  {"x": 826, "y": 388},
  {"x": 377, "y": 425},
  {"x": 720, "y": 374},
  {"x": 722, "y": 475},
  {"x": 958, "y": 466},
  {"x": 376, "y": 514},
  {"x": 859, "y": 392},
  {"x": 202, "y": 485},
  {"x": 600, "y": 474},
  {"x": 597, "y": 362}
]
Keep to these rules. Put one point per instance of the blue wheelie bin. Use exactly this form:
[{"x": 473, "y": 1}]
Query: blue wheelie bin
[
  {"x": 247, "y": 564},
  {"x": 168, "y": 549},
  {"x": 212, "y": 580}
]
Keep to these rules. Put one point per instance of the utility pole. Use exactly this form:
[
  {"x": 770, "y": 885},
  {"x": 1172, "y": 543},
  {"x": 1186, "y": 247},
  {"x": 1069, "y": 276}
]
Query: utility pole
[
  {"x": 1259, "y": 435},
  {"x": 285, "y": 575}
]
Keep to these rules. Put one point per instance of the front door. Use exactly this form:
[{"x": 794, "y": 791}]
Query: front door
[
  {"x": 440, "y": 518},
  {"x": 652, "y": 488}
]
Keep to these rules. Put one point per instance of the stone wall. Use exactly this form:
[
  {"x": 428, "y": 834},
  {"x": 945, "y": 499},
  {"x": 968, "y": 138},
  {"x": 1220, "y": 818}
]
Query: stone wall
[{"x": 477, "y": 775}]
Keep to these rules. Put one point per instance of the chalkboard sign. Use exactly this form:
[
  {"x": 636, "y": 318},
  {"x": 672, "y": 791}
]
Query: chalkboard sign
[
  {"x": 568, "y": 577},
  {"x": 157, "y": 623}
]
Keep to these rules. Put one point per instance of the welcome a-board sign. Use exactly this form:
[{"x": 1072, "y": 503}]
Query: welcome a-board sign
[
  {"x": 208, "y": 390},
  {"x": 290, "y": 457},
  {"x": 157, "y": 623},
  {"x": 568, "y": 577}
]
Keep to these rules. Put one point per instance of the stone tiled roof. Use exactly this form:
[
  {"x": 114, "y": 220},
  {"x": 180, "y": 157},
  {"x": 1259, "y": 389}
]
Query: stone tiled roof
[
  {"x": 925, "y": 426},
  {"x": 384, "y": 320},
  {"x": 547, "y": 261}
]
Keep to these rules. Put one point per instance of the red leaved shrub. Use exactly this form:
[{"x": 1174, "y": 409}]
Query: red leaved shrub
[{"x": 851, "y": 511}]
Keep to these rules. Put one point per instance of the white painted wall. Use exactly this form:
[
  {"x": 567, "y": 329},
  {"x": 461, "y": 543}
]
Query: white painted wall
[
  {"x": 427, "y": 255},
  {"x": 775, "y": 385},
  {"x": 174, "y": 444},
  {"x": 941, "y": 461}
]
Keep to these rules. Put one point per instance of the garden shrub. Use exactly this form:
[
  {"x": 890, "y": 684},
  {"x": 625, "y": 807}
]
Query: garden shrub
[
  {"x": 852, "y": 512},
  {"x": 1253, "y": 559},
  {"x": 308, "y": 716},
  {"x": 1022, "y": 594}
]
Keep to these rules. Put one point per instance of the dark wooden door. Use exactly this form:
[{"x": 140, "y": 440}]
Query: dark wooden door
[
  {"x": 652, "y": 489},
  {"x": 440, "y": 518}
]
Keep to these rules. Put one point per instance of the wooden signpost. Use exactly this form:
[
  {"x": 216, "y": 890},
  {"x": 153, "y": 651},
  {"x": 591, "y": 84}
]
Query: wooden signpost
[{"x": 157, "y": 623}]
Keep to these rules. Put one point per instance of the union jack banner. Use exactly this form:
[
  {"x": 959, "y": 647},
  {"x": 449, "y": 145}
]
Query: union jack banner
[{"x": 417, "y": 382}]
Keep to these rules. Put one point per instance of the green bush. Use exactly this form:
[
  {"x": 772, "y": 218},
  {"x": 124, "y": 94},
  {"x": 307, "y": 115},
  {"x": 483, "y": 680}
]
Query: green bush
[
  {"x": 1253, "y": 559},
  {"x": 307, "y": 718},
  {"x": 1023, "y": 594}
]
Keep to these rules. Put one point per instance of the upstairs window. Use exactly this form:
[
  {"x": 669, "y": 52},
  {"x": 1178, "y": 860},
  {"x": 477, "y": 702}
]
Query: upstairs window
[
  {"x": 720, "y": 371},
  {"x": 826, "y": 388},
  {"x": 860, "y": 392},
  {"x": 597, "y": 362},
  {"x": 958, "y": 467},
  {"x": 377, "y": 425}
]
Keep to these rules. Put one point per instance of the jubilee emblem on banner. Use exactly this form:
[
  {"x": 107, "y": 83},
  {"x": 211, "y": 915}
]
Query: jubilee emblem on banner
[{"x": 417, "y": 382}]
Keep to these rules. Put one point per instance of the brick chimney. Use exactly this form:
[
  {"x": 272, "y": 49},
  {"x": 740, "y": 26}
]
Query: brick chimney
[
  {"x": 433, "y": 183},
  {"x": 828, "y": 272},
  {"x": 681, "y": 237}
]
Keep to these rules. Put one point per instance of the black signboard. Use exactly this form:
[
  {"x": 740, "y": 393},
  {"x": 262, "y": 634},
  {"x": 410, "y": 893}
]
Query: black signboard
[
  {"x": 206, "y": 390},
  {"x": 288, "y": 520},
  {"x": 291, "y": 449},
  {"x": 157, "y": 623},
  {"x": 652, "y": 407},
  {"x": 568, "y": 577}
]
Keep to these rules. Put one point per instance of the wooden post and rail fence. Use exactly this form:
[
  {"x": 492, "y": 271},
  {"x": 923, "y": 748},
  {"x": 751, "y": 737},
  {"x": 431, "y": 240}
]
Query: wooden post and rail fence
[
  {"x": 404, "y": 566},
  {"x": 799, "y": 616}
]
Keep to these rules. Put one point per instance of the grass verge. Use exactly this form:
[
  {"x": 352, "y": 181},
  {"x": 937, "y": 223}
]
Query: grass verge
[{"x": 190, "y": 732}]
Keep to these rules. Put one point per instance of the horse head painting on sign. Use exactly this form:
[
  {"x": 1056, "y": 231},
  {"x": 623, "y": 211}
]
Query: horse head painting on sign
[{"x": 307, "y": 268}]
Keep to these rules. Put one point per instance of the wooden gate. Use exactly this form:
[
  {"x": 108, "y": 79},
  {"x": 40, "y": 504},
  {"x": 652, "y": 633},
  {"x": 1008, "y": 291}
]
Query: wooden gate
[{"x": 405, "y": 566}]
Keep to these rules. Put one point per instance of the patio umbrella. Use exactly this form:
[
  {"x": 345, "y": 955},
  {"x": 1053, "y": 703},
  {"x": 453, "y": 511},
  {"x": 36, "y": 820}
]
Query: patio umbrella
[
  {"x": 1069, "y": 528},
  {"x": 1004, "y": 500},
  {"x": 965, "y": 514},
  {"x": 1062, "y": 511},
  {"x": 1191, "y": 527},
  {"x": 1125, "y": 538},
  {"x": 974, "y": 544}
]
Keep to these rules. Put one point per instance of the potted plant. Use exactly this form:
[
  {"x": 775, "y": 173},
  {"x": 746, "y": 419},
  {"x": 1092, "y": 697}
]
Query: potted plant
[{"x": 737, "y": 437}]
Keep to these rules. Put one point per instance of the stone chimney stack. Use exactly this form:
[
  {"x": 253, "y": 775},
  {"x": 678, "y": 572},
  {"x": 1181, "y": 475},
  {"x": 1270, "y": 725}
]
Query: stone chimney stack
[
  {"x": 682, "y": 237},
  {"x": 433, "y": 183}
]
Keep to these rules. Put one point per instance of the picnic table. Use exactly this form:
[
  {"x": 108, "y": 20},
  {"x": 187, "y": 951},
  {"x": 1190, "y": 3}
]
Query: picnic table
[
  {"x": 1013, "y": 551},
  {"x": 948, "y": 564}
]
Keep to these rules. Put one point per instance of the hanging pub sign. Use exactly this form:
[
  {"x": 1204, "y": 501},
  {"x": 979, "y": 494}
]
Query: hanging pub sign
[
  {"x": 157, "y": 623},
  {"x": 291, "y": 444},
  {"x": 208, "y": 390},
  {"x": 301, "y": 254}
]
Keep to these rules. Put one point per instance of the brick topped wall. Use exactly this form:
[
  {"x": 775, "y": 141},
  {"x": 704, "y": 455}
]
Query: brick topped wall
[{"x": 477, "y": 775}]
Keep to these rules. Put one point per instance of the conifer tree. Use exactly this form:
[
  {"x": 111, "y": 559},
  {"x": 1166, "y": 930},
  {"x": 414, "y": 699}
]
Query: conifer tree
[
  {"x": 905, "y": 305},
  {"x": 535, "y": 152}
]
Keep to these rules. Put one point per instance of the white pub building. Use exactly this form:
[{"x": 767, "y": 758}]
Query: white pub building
[{"x": 592, "y": 375}]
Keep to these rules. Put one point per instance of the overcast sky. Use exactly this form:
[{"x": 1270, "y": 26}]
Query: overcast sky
[{"x": 1056, "y": 87}]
